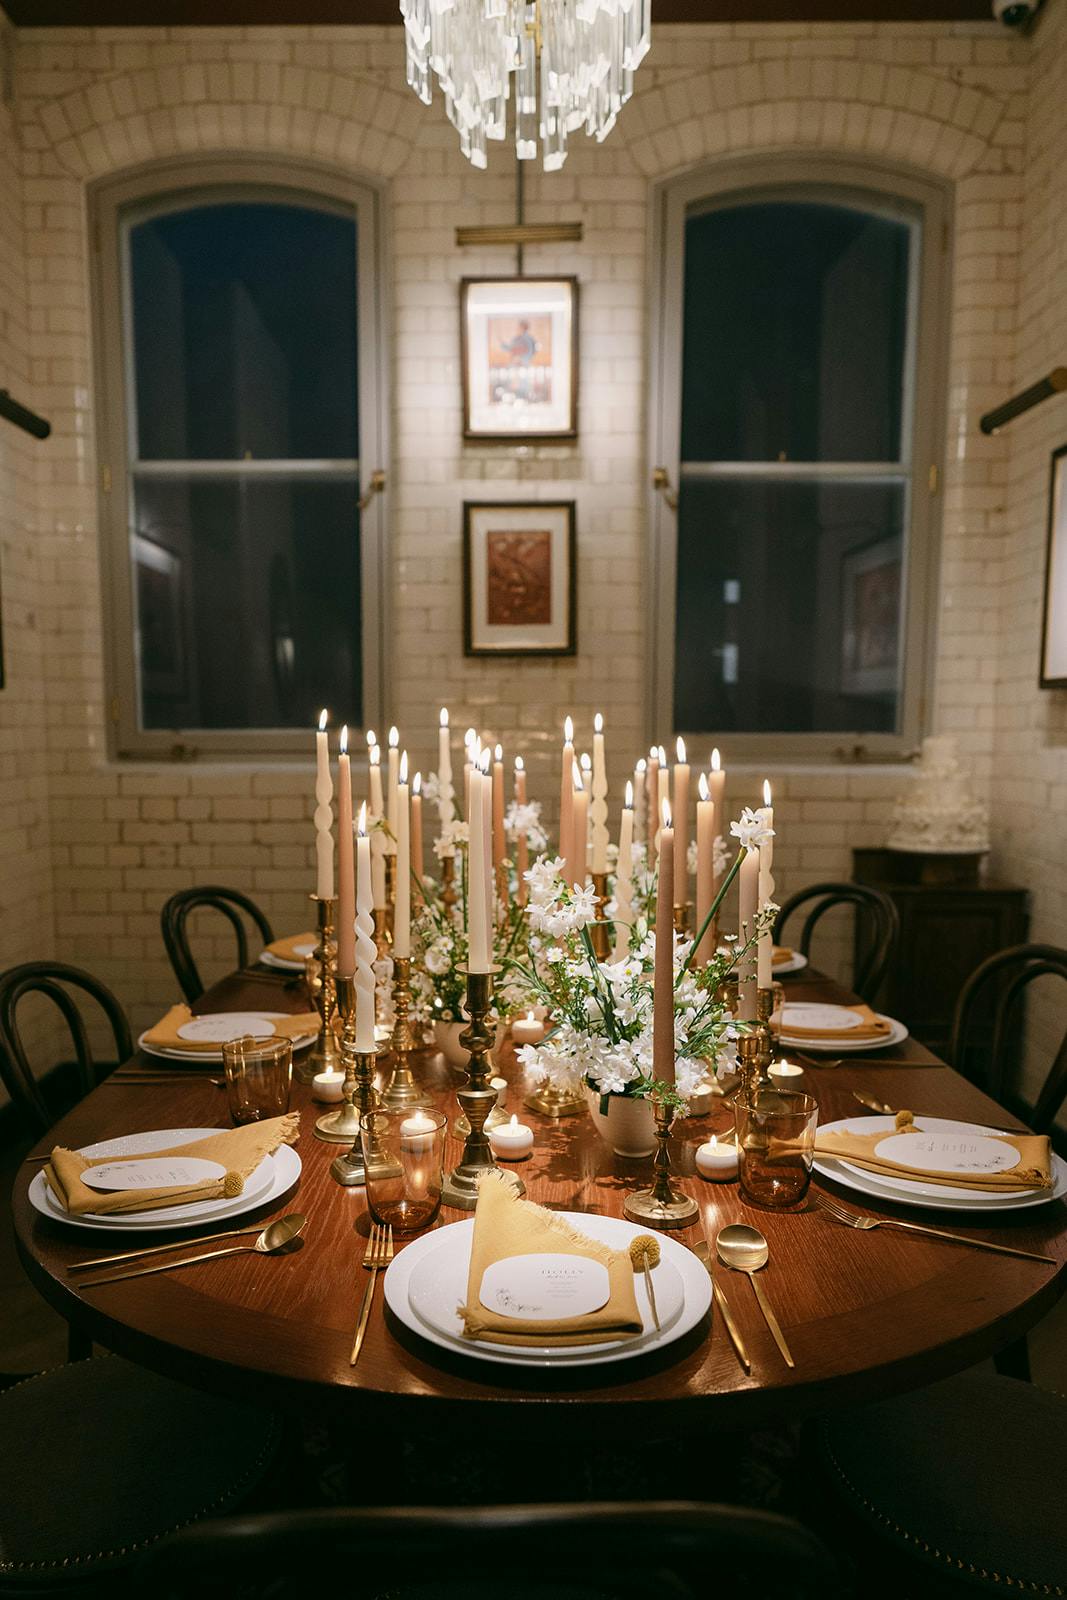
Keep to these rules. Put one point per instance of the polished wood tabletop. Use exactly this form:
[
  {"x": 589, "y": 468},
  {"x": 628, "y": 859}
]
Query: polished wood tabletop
[{"x": 866, "y": 1314}]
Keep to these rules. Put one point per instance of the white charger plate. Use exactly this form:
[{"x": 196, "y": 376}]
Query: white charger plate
[
  {"x": 299, "y": 1043},
  {"x": 440, "y": 1287},
  {"x": 897, "y": 1033},
  {"x": 930, "y": 1196},
  {"x": 274, "y": 1176},
  {"x": 267, "y": 958},
  {"x": 796, "y": 963}
]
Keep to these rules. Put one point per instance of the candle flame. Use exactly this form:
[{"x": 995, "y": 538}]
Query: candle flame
[
  {"x": 444, "y": 716},
  {"x": 598, "y": 723},
  {"x": 372, "y": 737},
  {"x": 342, "y": 743},
  {"x": 713, "y": 1141},
  {"x": 665, "y": 812},
  {"x": 416, "y": 783},
  {"x": 530, "y": 1017},
  {"x": 702, "y": 788},
  {"x": 483, "y": 762},
  {"x": 394, "y": 738},
  {"x": 716, "y": 763},
  {"x": 404, "y": 767},
  {"x": 766, "y": 792},
  {"x": 323, "y": 718},
  {"x": 576, "y": 773},
  {"x": 568, "y": 731},
  {"x": 653, "y": 753},
  {"x": 514, "y": 1123},
  {"x": 374, "y": 755},
  {"x": 498, "y": 753},
  {"x": 469, "y": 736},
  {"x": 629, "y": 795},
  {"x": 361, "y": 826},
  {"x": 661, "y": 756},
  {"x": 679, "y": 748},
  {"x": 520, "y": 765},
  {"x": 642, "y": 765},
  {"x": 587, "y": 765}
]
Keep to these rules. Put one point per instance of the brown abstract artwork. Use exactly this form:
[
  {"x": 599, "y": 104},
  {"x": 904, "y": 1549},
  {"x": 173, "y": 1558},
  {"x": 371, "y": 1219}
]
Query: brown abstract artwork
[{"x": 519, "y": 578}]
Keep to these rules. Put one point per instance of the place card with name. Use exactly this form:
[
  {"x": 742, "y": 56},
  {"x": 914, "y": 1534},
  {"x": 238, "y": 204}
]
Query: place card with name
[
  {"x": 541, "y": 1288},
  {"x": 948, "y": 1152},
  {"x": 160, "y": 1172}
]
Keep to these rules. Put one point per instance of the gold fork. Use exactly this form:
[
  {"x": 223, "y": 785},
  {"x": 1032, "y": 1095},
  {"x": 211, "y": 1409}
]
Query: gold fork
[
  {"x": 378, "y": 1254},
  {"x": 852, "y": 1219}
]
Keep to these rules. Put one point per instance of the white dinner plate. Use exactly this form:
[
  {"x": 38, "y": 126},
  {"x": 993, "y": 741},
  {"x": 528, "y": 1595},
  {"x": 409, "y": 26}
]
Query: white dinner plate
[
  {"x": 796, "y": 963},
  {"x": 843, "y": 1045},
  {"x": 274, "y": 1176},
  {"x": 166, "y": 1054},
  {"x": 936, "y": 1196},
  {"x": 267, "y": 958},
  {"x": 428, "y": 1279}
]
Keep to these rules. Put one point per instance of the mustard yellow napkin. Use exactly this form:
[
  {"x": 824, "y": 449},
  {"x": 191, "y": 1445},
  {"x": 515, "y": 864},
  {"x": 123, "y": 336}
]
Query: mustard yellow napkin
[
  {"x": 239, "y": 1150},
  {"x": 1033, "y": 1172},
  {"x": 164, "y": 1035},
  {"x": 506, "y": 1226},
  {"x": 871, "y": 1027},
  {"x": 285, "y": 949}
]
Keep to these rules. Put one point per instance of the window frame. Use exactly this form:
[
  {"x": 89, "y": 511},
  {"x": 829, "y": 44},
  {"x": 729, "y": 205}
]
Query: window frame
[
  {"x": 882, "y": 189},
  {"x": 155, "y": 190}
]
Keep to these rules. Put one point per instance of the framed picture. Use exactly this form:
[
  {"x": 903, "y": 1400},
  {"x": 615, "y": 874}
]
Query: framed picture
[
  {"x": 520, "y": 358},
  {"x": 1054, "y": 626},
  {"x": 519, "y": 583},
  {"x": 871, "y": 580}
]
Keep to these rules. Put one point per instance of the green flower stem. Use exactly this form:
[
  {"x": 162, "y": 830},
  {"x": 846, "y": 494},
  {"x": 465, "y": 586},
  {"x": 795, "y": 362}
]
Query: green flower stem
[{"x": 715, "y": 904}]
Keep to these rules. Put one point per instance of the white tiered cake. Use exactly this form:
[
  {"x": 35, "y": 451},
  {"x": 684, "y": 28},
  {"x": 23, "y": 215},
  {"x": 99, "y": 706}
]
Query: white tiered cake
[{"x": 938, "y": 814}]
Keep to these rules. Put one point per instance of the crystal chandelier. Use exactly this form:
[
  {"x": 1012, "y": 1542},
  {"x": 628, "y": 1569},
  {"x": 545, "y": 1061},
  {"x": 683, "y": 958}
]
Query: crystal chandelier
[{"x": 573, "y": 63}]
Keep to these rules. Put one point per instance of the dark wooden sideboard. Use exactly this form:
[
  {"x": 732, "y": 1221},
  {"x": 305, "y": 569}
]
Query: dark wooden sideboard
[{"x": 946, "y": 930}]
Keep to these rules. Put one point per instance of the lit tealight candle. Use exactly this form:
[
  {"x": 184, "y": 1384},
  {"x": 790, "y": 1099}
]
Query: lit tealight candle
[
  {"x": 327, "y": 1085},
  {"x": 528, "y": 1029},
  {"x": 417, "y": 1133},
  {"x": 717, "y": 1161},
  {"x": 511, "y": 1141},
  {"x": 785, "y": 1073}
]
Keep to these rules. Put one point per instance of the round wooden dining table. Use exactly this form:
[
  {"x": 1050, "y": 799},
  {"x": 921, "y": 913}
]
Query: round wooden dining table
[{"x": 867, "y": 1314}]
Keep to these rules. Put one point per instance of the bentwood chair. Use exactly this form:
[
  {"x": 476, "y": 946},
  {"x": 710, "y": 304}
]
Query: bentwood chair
[
  {"x": 54, "y": 980},
  {"x": 231, "y": 903},
  {"x": 677, "y": 1551},
  {"x": 988, "y": 1009},
  {"x": 878, "y": 927}
]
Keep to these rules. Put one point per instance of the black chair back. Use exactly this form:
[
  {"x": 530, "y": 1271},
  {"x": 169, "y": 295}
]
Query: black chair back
[
  {"x": 988, "y": 1004},
  {"x": 54, "y": 980},
  {"x": 231, "y": 903},
  {"x": 527, "y": 1552},
  {"x": 878, "y": 927}
]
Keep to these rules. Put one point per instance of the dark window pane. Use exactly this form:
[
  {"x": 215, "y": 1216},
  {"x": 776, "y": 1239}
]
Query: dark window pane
[
  {"x": 795, "y": 332},
  {"x": 789, "y": 606},
  {"x": 248, "y": 602},
  {"x": 244, "y": 326}
]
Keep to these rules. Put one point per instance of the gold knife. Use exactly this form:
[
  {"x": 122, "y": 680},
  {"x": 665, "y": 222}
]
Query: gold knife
[{"x": 701, "y": 1250}]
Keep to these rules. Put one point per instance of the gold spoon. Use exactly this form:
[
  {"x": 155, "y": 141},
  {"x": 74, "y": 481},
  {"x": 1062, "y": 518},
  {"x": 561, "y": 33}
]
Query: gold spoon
[
  {"x": 644, "y": 1252},
  {"x": 744, "y": 1249},
  {"x": 277, "y": 1236}
]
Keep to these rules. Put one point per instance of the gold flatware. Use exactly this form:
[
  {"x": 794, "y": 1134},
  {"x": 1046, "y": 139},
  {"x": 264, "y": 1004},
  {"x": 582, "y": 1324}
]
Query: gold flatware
[
  {"x": 644, "y": 1252},
  {"x": 125, "y": 1079},
  {"x": 175, "y": 1244},
  {"x": 701, "y": 1250},
  {"x": 872, "y": 1104},
  {"x": 378, "y": 1254},
  {"x": 274, "y": 1238},
  {"x": 853, "y": 1219},
  {"x": 744, "y": 1249}
]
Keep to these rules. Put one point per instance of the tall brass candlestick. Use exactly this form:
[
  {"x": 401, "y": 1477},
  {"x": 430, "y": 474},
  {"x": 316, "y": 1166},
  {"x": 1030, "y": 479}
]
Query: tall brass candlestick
[
  {"x": 552, "y": 1102},
  {"x": 764, "y": 1008},
  {"x": 601, "y": 932},
  {"x": 448, "y": 883},
  {"x": 402, "y": 1092},
  {"x": 359, "y": 1094},
  {"x": 477, "y": 1098},
  {"x": 661, "y": 1206},
  {"x": 383, "y": 944},
  {"x": 390, "y": 888},
  {"x": 320, "y": 972},
  {"x": 748, "y": 1066},
  {"x": 681, "y": 916}
]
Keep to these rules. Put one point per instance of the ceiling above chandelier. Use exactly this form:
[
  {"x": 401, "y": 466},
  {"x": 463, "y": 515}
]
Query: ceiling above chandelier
[{"x": 567, "y": 65}]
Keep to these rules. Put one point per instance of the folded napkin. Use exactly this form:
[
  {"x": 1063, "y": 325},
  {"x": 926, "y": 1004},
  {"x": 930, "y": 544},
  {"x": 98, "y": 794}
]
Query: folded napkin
[
  {"x": 1034, "y": 1170},
  {"x": 239, "y": 1150},
  {"x": 871, "y": 1027},
  {"x": 285, "y": 949},
  {"x": 164, "y": 1035},
  {"x": 781, "y": 954},
  {"x": 507, "y": 1226}
]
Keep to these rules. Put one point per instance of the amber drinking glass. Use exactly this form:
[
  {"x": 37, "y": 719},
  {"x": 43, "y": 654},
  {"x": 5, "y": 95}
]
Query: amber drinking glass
[
  {"x": 259, "y": 1073},
  {"x": 404, "y": 1153},
  {"x": 776, "y": 1147}
]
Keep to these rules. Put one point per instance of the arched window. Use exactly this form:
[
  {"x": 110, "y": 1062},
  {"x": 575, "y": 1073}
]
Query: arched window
[
  {"x": 798, "y": 370},
  {"x": 240, "y": 408}
]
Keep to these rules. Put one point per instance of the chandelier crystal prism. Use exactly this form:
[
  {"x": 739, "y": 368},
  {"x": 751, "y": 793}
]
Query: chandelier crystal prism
[{"x": 568, "y": 64}]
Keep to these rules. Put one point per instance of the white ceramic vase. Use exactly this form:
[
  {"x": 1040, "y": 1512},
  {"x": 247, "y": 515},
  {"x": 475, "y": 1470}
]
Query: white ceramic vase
[
  {"x": 628, "y": 1126},
  {"x": 446, "y": 1039}
]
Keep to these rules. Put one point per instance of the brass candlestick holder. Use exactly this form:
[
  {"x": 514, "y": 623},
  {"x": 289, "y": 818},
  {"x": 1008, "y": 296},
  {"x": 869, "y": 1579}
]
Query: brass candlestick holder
[
  {"x": 383, "y": 944},
  {"x": 402, "y": 1092},
  {"x": 764, "y": 1035},
  {"x": 662, "y": 1206},
  {"x": 342, "y": 1126},
  {"x": 749, "y": 1076},
  {"x": 448, "y": 884},
  {"x": 602, "y": 930},
  {"x": 555, "y": 1103},
  {"x": 390, "y": 885},
  {"x": 681, "y": 916},
  {"x": 477, "y": 1098},
  {"x": 320, "y": 973}
]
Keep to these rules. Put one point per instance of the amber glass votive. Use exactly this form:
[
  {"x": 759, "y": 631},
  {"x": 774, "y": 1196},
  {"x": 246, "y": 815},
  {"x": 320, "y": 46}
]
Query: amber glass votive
[
  {"x": 259, "y": 1074},
  {"x": 404, "y": 1154},
  {"x": 776, "y": 1147}
]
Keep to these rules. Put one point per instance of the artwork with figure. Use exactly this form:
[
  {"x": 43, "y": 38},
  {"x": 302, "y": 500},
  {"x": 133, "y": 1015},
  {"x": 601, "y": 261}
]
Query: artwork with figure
[
  {"x": 519, "y": 577},
  {"x": 519, "y": 346},
  {"x": 520, "y": 359}
]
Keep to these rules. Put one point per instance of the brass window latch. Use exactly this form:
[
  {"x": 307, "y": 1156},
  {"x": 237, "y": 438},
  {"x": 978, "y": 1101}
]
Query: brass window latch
[
  {"x": 375, "y": 486},
  {"x": 661, "y": 480}
]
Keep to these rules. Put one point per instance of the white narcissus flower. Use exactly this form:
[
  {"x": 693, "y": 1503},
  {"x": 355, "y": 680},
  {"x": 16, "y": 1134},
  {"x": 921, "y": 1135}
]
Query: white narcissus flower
[
  {"x": 525, "y": 820},
  {"x": 751, "y": 830},
  {"x": 720, "y": 857}
]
